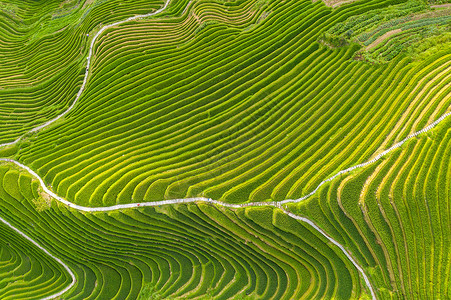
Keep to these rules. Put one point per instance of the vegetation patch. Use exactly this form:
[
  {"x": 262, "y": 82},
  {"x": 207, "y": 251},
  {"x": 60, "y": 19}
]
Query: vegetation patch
[
  {"x": 43, "y": 202},
  {"x": 389, "y": 32}
]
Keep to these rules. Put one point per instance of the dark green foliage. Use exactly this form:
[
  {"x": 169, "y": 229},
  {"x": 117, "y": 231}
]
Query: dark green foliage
[{"x": 174, "y": 251}]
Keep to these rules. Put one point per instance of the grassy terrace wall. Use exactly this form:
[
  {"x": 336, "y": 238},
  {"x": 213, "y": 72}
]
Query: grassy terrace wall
[
  {"x": 43, "y": 48},
  {"x": 395, "y": 216},
  {"x": 235, "y": 101},
  {"x": 172, "y": 251}
]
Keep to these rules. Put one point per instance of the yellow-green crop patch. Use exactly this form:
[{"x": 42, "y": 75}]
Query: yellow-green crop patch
[{"x": 154, "y": 157}]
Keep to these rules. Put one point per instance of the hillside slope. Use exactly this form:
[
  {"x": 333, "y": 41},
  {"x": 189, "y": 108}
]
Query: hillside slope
[{"x": 235, "y": 109}]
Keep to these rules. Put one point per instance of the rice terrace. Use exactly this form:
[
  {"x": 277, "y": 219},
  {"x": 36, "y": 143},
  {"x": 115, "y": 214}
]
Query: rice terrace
[{"x": 225, "y": 149}]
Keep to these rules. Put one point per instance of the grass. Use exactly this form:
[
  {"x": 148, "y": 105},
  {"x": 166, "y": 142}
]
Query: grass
[
  {"x": 395, "y": 208},
  {"x": 240, "y": 101},
  {"x": 166, "y": 252}
]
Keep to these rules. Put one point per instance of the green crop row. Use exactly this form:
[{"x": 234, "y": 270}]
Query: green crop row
[
  {"x": 236, "y": 101},
  {"x": 394, "y": 216},
  {"x": 182, "y": 251},
  {"x": 43, "y": 55},
  {"x": 152, "y": 127}
]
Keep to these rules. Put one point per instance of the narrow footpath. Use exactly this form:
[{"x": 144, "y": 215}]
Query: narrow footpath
[{"x": 277, "y": 205}]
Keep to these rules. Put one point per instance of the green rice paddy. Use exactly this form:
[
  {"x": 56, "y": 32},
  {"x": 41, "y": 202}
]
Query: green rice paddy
[{"x": 246, "y": 101}]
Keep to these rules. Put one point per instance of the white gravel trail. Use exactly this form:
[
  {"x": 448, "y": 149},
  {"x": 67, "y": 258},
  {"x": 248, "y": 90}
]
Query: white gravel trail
[
  {"x": 186, "y": 200},
  {"x": 54, "y": 120},
  {"x": 203, "y": 199},
  {"x": 376, "y": 158},
  {"x": 85, "y": 79},
  {"x": 276, "y": 204},
  {"x": 72, "y": 275},
  {"x": 311, "y": 223}
]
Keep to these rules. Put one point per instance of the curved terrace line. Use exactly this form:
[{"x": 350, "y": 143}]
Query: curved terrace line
[
  {"x": 203, "y": 199},
  {"x": 311, "y": 223},
  {"x": 85, "y": 79},
  {"x": 276, "y": 204},
  {"x": 379, "y": 156},
  {"x": 187, "y": 200},
  {"x": 72, "y": 275}
]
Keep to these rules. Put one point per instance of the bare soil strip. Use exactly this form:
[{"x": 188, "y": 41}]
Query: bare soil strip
[
  {"x": 382, "y": 38},
  {"x": 336, "y": 3},
  {"x": 441, "y": 5}
]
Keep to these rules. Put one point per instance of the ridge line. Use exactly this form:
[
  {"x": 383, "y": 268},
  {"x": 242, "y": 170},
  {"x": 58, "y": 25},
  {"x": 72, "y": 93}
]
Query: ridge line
[
  {"x": 85, "y": 79},
  {"x": 275, "y": 204}
]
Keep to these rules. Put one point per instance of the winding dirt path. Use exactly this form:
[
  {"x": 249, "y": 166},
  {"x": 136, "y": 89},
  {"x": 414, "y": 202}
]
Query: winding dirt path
[
  {"x": 336, "y": 3},
  {"x": 187, "y": 200},
  {"x": 441, "y": 5},
  {"x": 276, "y": 204},
  {"x": 85, "y": 79},
  {"x": 382, "y": 38}
]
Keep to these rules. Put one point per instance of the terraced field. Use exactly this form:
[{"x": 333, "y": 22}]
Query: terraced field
[
  {"x": 180, "y": 251},
  {"x": 149, "y": 127},
  {"x": 396, "y": 215},
  {"x": 43, "y": 49},
  {"x": 26, "y": 272},
  {"x": 194, "y": 149}
]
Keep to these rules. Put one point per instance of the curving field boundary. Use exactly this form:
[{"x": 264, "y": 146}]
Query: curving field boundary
[
  {"x": 187, "y": 200},
  {"x": 203, "y": 199},
  {"x": 72, "y": 275},
  {"x": 376, "y": 158},
  {"x": 169, "y": 202},
  {"x": 220, "y": 203},
  {"x": 308, "y": 221},
  {"x": 85, "y": 79}
]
